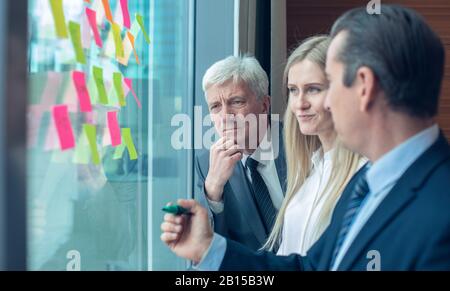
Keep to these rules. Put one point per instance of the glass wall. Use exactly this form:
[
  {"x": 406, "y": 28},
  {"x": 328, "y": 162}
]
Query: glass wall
[{"x": 104, "y": 84}]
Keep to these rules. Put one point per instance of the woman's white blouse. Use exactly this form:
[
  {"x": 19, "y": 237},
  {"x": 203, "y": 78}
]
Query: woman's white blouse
[{"x": 303, "y": 212}]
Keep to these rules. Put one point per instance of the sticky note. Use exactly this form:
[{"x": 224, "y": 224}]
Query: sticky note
[
  {"x": 82, "y": 152},
  {"x": 117, "y": 40},
  {"x": 63, "y": 127},
  {"x": 86, "y": 38},
  {"x": 98, "y": 77},
  {"x": 125, "y": 13},
  {"x": 75, "y": 35},
  {"x": 140, "y": 20},
  {"x": 91, "y": 134},
  {"x": 59, "y": 18},
  {"x": 128, "y": 140},
  {"x": 87, "y": 1},
  {"x": 79, "y": 81},
  {"x": 92, "y": 18},
  {"x": 129, "y": 83},
  {"x": 114, "y": 129},
  {"x": 132, "y": 39},
  {"x": 107, "y": 10},
  {"x": 118, "y": 153},
  {"x": 117, "y": 78}
]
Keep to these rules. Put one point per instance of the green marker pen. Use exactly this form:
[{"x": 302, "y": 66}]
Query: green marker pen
[{"x": 176, "y": 209}]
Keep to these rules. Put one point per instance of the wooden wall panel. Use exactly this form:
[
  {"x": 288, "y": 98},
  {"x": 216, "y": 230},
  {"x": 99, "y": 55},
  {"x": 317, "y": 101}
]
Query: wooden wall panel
[{"x": 305, "y": 18}]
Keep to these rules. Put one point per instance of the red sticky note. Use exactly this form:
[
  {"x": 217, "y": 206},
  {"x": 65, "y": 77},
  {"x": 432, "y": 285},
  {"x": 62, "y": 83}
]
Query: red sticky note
[
  {"x": 92, "y": 17},
  {"x": 129, "y": 83},
  {"x": 125, "y": 13},
  {"x": 108, "y": 12},
  {"x": 63, "y": 127},
  {"x": 83, "y": 94},
  {"x": 114, "y": 129}
]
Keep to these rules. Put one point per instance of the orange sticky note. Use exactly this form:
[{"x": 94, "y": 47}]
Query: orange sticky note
[
  {"x": 92, "y": 18},
  {"x": 129, "y": 83},
  {"x": 114, "y": 129},
  {"x": 63, "y": 127},
  {"x": 131, "y": 38},
  {"x": 83, "y": 94},
  {"x": 108, "y": 12}
]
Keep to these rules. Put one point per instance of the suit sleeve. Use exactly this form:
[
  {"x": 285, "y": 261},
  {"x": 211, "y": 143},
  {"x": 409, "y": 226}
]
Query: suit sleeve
[
  {"x": 218, "y": 220},
  {"x": 239, "y": 258}
]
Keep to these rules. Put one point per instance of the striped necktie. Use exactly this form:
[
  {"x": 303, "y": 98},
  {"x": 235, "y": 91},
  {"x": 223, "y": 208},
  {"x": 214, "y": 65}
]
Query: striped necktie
[
  {"x": 261, "y": 195},
  {"x": 359, "y": 193}
]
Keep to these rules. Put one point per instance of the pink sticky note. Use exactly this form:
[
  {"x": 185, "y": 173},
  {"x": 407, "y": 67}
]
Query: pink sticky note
[
  {"x": 83, "y": 94},
  {"x": 114, "y": 129},
  {"x": 125, "y": 13},
  {"x": 129, "y": 83},
  {"x": 92, "y": 18},
  {"x": 85, "y": 32},
  {"x": 63, "y": 127}
]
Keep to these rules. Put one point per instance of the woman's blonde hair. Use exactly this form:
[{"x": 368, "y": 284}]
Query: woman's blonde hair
[{"x": 300, "y": 149}]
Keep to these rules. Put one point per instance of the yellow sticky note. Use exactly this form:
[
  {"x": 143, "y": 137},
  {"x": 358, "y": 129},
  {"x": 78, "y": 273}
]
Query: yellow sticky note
[
  {"x": 117, "y": 40},
  {"x": 59, "y": 18},
  {"x": 126, "y": 136},
  {"x": 91, "y": 134},
  {"x": 117, "y": 78},
  {"x": 98, "y": 77},
  {"x": 140, "y": 20},
  {"x": 81, "y": 155},
  {"x": 75, "y": 35}
]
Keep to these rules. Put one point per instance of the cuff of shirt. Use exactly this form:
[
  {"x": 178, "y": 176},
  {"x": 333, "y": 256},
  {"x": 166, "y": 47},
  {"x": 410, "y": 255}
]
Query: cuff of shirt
[
  {"x": 213, "y": 257},
  {"x": 216, "y": 207}
]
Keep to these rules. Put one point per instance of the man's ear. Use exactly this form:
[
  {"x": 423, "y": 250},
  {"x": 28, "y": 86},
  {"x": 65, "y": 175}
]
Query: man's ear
[
  {"x": 266, "y": 104},
  {"x": 366, "y": 82}
]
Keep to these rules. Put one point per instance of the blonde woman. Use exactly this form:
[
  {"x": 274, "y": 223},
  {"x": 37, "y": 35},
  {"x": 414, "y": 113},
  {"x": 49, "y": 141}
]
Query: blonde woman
[{"x": 318, "y": 166}]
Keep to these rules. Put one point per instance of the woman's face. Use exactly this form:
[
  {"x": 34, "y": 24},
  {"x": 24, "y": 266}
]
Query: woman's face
[{"x": 307, "y": 87}]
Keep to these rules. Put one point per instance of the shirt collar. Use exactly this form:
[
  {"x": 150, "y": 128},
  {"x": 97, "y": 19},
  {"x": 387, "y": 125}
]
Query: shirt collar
[
  {"x": 318, "y": 156},
  {"x": 388, "y": 169}
]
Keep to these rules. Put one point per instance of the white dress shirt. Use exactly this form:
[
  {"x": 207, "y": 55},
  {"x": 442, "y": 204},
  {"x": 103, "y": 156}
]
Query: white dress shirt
[
  {"x": 304, "y": 209},
  {"x": 264, "y": 155}
]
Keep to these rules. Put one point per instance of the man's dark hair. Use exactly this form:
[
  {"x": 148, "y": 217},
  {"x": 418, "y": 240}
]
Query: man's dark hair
[{"x": 404, "y": 53}]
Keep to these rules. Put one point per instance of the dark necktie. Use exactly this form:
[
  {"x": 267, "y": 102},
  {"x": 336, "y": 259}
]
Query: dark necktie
[
  {"x": 261, "y": 195},
  {"x": 360, "y": 192}
]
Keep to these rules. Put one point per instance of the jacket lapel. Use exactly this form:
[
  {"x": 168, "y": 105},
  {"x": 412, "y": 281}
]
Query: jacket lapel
[
  {"x": 401, "y": 194},
  {"x": 243, "y": 194}
]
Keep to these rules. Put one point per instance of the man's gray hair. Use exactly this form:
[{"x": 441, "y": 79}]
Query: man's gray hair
[{"x": 243, "y": 68}]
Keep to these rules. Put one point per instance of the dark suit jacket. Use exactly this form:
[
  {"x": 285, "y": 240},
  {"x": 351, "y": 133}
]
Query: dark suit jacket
[
  {"x": 240, "y": 219},
  {"x": 410, "y": 229}
]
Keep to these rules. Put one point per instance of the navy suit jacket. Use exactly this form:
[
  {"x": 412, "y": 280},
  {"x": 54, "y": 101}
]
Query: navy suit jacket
[
  {"x": 240, "y": 220},
  {"x": 410, "y": 229}
]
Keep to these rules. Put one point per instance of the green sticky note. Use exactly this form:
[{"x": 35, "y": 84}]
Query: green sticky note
[
  {"x": 75, "y": 36},
  {"x": 126, "y": 135},
  {"x": 119, "y": 151},
  {"x": 117, "y": 77},
  {"x": 81, "y": 155},
  {"x": 140, "y": 20},
  {"x": 118, "y": 40},
  {"x": 98, "y": 77},
  {"x": 91, "y": 134},
  {"x": 59, "y": 18}
]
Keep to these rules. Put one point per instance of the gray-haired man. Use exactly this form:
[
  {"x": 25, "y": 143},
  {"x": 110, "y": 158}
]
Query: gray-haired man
[{"x": 242, "y": 175}]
